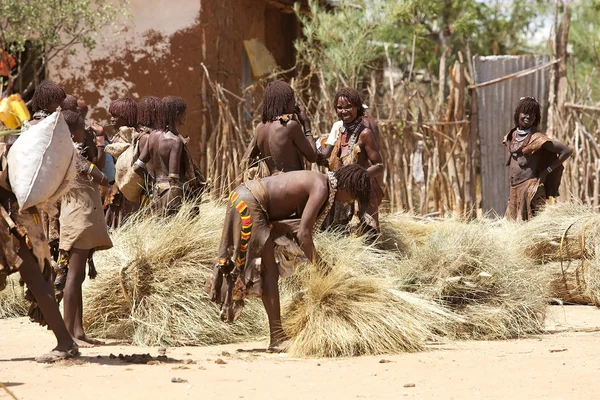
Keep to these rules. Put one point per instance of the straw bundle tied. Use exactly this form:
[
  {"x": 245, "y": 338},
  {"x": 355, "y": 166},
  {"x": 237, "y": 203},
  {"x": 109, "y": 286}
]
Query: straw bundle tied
[
  {"x": 12, "y": 299},
  {"x": 150, "y": 287},
  {"x": 565, "y": 239},
  {"x": 340, "y": 314},
  {"x": 472, "y": 269}
]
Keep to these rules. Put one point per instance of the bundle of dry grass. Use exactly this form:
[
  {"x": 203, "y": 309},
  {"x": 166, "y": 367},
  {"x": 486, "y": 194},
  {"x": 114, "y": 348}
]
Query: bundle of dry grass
[
  {"x": 348, "y": 307},
  {"x": 12, "y": 299},
  {"x": 473, "y": 269},
  {"x": 565, "y": 231},
  {"x": 150, "y": 285},
  {"x": 340, "y": 314},
  {"x": 404, "y": 232},
  {"x": 565, "y": 240}
]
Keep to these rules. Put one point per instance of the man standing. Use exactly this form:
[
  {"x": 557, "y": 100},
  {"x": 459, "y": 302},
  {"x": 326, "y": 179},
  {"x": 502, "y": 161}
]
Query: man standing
[
  {"x": 283, "y": 139},
  {"x": 255, "y": 219}
]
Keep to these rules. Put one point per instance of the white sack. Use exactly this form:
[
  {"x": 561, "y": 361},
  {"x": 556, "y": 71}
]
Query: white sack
[{"x": 40, "y": 161}]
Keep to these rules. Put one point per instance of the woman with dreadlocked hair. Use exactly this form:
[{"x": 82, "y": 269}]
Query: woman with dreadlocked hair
[
  {"x": 534, "y": 161},
  {"x": 48, "y": 96},
  {"x": 283, "y": 139},
  {"x": 124, "y": 118},
  {"x": 148, "y": 113},
  {"x": 259, "y": 213},
  {"x": 355, "y": 143},
  {"x": 82, "y": 231},
  {"x": 167, "y": 159}
]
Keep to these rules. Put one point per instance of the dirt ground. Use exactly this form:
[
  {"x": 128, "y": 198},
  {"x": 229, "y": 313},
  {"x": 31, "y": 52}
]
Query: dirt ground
[{"x": 561, "y": 365}]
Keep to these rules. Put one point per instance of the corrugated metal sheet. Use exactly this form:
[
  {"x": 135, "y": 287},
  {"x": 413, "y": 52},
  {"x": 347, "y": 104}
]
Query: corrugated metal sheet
[{"x": 496, "y": 104}]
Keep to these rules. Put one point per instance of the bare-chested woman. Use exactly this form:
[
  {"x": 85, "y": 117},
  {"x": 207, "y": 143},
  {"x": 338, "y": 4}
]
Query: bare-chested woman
[
  {"x": 356, "y": 143},
  {"x": 283, "y": 139},
  {"x": 167, "y": 159},
  {"x": 254, "y": 220}
]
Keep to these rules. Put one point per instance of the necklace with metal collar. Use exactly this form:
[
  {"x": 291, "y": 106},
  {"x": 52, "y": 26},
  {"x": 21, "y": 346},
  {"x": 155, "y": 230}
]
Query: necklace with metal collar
[
  {"x": 522, "y": 134},
  {"x": 332, "y": 191}
]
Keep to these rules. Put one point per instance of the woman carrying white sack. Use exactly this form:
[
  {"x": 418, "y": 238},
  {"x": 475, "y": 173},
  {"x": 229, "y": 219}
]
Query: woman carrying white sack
[{"x": 23, "y": 244}]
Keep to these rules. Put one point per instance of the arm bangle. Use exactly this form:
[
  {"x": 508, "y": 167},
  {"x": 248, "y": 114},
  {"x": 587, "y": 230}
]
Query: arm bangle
[
  {"x": 549, "y": 169},
  {"x": 140, "y": 163},
  {"x": 90, "y": 169}
]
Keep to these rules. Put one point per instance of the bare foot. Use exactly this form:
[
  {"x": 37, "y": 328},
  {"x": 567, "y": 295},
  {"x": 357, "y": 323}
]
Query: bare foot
[
  {"x": 280, "y": 346},
  {"x": 87, "y": 342}
]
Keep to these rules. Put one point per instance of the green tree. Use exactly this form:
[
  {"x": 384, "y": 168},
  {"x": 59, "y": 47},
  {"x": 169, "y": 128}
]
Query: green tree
[
  {"x": 584, "y": 38},
  {"x": 36, "y": 31}
]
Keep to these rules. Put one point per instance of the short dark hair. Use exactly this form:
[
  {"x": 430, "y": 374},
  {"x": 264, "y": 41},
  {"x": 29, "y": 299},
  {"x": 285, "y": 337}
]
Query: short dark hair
[
  {"x": 148, "y": 110},
  {"x": 355, "y": 180},
  {"x": 528, "y": 105},
  {"x": 170, "y": 108},
  {"x": 276, "y": 98},
  {"x": 125, "y": 108},
  {"x": 46, "y": 93},
  {"x": 353, "y": 98}
]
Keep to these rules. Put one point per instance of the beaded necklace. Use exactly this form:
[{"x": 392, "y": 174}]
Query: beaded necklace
[{"x": 332, "y": 191}]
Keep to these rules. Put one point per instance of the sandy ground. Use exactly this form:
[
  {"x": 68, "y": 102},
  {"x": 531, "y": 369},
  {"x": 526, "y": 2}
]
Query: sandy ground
[{"x": 562, "y": 365}]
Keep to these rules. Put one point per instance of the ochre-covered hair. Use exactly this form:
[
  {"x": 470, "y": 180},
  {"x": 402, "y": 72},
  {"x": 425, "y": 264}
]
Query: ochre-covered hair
[
  {"x": 276, "y": 98},
  {"x": 352, "y": 96},
  {"x": 72, "y": 118},
  {"x": 355, "y": 180},
  {"x": 170, "y": 108},
  {"x": 148, "y": 110},
  {"x": 528, "y": 105},
  {"x": 69, "y": 103},
  {"x": 125, "y": 108},
  {"x": 46, "y": 93}
]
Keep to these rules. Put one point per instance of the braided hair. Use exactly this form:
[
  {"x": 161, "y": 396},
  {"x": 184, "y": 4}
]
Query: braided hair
[
  {"x": 528, "y": 105},
  {"x": 148, "y": 110},
  {"x": 170, "y": 108},
  {"x": 352, "y": 96},
  {"x": 125, "y": 108},
  {"x": 355, "y": 180},
  {"x": 277, "y": 96},
  {"x": 69, "y": 103},
  {"x": 46, "y": 93}
]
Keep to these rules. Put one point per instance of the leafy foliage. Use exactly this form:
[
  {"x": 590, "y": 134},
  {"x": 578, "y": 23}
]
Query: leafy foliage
[{"x": 52, "y": 26}]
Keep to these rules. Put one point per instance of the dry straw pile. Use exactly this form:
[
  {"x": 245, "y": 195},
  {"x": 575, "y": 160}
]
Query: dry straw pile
[
  {"x": 347, "y": 305},
  {"x": 473, "y": 269},
  {"x": 564, "y": 240},
  {"x": 423, "y": 280},
  {"x": 149, "y": 289},
  {"x": 12, "y": 299}
]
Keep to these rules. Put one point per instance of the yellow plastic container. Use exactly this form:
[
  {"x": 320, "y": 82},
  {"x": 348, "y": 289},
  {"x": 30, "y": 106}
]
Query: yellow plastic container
[
  {"x": 19, "y": 108},
  {"x": 7, "y": 116}
]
